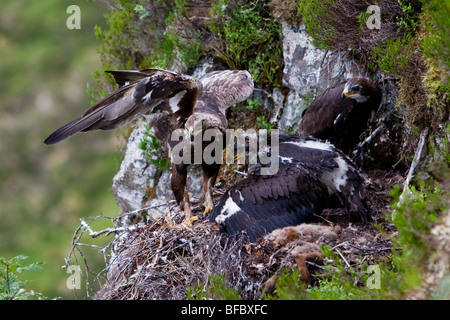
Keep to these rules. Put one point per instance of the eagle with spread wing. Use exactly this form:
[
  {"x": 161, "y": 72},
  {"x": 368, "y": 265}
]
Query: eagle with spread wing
[
  {"x": 312, "y": 175},
  {"x": 170, "y": 101},
  {"x": 341, "y": 113}
]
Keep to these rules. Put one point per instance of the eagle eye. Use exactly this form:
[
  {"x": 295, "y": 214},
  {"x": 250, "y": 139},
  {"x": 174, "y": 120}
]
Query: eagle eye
[{"x": 355, "y": 88}]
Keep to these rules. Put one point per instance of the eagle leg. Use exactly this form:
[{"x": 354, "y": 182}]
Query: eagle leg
[
  {"x": 178, "y": 182},
  {"x": 186, "y": 205},
  {"x": 210, "y": 173}
]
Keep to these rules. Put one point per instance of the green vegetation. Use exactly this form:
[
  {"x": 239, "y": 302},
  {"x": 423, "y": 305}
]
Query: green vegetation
[
  {"x": 313, "y": 13},
  {"x": 249, "y": 37},
  {"x": 245, "y": 36},
  {"x": 436, "y": 45},
  {"x": 414, "y": 216},
  {"x": 252, "y": 104},
  {"x": 11, "y": 287},
  {"x": 152, "y": 149},
  {"x": 393, "y": 56},
  {"x": 216, "y": 289}
]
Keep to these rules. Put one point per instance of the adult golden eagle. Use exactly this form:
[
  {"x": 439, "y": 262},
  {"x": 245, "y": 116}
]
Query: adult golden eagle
[
  {"x": 341, "y": 113},
  {"x": 170, "y": 101},
  {"x": 312, "y": 175}
]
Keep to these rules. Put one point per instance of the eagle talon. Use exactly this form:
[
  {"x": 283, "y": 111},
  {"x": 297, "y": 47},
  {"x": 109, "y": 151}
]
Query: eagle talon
[
  {"x": 207, "y": 209},
  {"x": 189, "y": 221}
]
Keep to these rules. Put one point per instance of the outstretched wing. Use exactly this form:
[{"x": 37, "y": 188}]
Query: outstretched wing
[
  {"x": 153, "y": 89},
  {"x": 225, "y": 88},
  {"x": 259, "y": 203},
  {"x": 125, "y": 77}
]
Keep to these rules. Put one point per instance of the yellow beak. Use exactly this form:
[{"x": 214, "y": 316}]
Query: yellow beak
[{"x": 348, "y": 95}]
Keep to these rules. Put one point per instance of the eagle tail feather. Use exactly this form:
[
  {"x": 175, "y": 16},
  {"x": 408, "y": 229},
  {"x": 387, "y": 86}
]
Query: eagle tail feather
[{"x": 72, "y": 128}]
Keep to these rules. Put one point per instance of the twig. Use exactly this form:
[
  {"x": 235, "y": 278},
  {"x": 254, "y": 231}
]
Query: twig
[
  {"x": 414, "y": 164},
  {"x": 373, "y": 249},
  {"x": 343, "y": 258},
  {"x": 314, "y": 265}
]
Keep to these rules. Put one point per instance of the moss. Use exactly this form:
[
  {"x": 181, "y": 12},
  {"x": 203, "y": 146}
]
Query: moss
[
  {"x": 436, "y": 50},
  {"x": 313, "y": 14},
  {"x": 436, "y": 45}
]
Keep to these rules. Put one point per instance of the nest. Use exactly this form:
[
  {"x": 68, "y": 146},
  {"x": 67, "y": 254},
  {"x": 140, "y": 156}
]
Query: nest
[{"x": 160, "y": 260}]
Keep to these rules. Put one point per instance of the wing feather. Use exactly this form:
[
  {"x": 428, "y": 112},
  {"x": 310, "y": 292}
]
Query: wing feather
[
  {"x": 151, "y": 88},
  {"x": 269, "y": 202}
]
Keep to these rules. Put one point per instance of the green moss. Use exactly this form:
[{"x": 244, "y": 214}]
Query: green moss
[
  {"x": 436, "y": 45},
  {"x": 436, "y": 49},
  {"x": 314, "y": 13},
  {"x": 394, "y": 55}
]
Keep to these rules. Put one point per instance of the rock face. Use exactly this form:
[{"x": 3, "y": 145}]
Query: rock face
[
  {"x": 140, "y": 184},
  {"x": 136, "y": 174},
  {"x": 307, "y": 72}
]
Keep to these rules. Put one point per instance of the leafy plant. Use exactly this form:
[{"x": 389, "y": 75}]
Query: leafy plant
[
  {"x": 252, "y": 104},
  {"x": 409, "y": 20},
  {"x": 152, "y": 149},
  {"x": 11, "y": 287},
  {"x": 263, "y": 123},
  {"x": 249, "y": 37}
]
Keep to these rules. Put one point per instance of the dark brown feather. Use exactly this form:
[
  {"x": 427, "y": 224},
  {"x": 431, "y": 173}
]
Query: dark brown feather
[
  {"x": 312, "y": 175},
  {"x": 139, "y": 98},
  {"x": 341, "y": 120}
]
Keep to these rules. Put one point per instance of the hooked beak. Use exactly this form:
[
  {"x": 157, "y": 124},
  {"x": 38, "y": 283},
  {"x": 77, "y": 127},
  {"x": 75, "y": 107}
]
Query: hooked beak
[{"x": 346, "y": 94}]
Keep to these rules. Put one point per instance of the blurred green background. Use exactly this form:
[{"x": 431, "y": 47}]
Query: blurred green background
[{"x": 45, "y": 69}]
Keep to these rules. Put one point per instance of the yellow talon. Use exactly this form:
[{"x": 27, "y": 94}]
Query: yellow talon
[
  {"x": 189, "y": 221},
  {"x": 207, "y": 209}
]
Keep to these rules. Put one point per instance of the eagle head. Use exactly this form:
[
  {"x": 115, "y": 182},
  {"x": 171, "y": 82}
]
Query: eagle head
[{"x": 359, "y": 89}]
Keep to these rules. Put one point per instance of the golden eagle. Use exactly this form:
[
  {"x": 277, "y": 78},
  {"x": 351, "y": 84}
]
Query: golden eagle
[
  {"x": 312, "y": 175},
  {"x": 341, "y": 113},
  {"x": 170, "y": 101}
]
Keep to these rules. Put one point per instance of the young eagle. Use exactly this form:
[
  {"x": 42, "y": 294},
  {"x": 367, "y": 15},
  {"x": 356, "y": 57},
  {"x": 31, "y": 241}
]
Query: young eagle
[
  {"x": 169, "y": 101},
  {"x": 341, "y": 113},
  {"x": 312, "y": 175}
]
